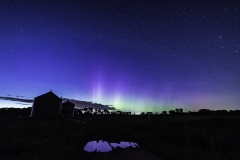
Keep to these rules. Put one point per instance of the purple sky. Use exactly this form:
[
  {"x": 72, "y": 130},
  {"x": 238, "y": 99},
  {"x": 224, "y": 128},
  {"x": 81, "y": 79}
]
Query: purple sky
[{"x": 137, "y": 55}]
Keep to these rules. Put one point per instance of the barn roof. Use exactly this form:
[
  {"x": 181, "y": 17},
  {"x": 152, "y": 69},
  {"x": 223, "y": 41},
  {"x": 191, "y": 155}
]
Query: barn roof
[
  {"x": 49, "y": 94},
  {"x": 68, "y": 103}
]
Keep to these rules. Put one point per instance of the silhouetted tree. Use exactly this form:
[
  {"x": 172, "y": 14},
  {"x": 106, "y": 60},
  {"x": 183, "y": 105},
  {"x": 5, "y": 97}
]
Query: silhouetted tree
[
  {"x": 77, "y": 112},
  {"x": 90, "y": 110},
  {"x": 119, "y": 112},
  {"x": 177, "y": 110},
  {"x": 113, "y": 113},
  {"x": 221, "y": 112},
  {"x": 99, "y": 111},
  {"x": 94, "y": 111},
  {"x": 180, "y": 110},
  {"x": 164, "y": 112},
  {"x": 85, "y": 110},
  {"x": 106, "y": 111},
  {"x": 204, "y": 111},
  {"x": 142, "y": 113},
  {"x": 171, "y": 112}
]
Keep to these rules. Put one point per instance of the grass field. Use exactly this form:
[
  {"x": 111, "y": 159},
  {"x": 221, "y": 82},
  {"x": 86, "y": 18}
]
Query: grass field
[{"x": 170, "y": 138}]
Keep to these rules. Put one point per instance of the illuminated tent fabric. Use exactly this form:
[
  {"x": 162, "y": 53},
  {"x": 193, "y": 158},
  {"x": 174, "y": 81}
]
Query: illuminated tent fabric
[{"x": 47, "y": 104}]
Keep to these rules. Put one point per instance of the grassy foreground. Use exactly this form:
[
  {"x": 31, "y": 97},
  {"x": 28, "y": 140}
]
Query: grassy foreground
[{"x": 170, "y": 138}]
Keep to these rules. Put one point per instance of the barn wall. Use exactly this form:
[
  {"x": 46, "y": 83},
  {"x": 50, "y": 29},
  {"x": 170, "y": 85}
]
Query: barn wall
[
  {"x": 46, "y": 106},
  {"x": 67, "y": 110}
]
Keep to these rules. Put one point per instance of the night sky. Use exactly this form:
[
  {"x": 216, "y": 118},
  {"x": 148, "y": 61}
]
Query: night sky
[{"x": 137, "y": 55}]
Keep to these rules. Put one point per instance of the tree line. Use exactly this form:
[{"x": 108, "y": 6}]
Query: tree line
[
  {"x": 96, "y": 111},
  {"x": 179, "y": 111}
]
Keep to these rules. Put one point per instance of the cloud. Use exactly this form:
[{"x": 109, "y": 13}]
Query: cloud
[
  {"x": 78, "y": 103},
  {"x": 17, "y": 99},
  {"x": 22, "y": 103},
  {"x": 20, "y": 96},
  {"x": 85, "y": 104}
]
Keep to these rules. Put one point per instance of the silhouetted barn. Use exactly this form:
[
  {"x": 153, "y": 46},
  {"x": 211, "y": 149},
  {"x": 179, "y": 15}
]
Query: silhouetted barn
[
  {"x": 47, "y": 104},
  {"x": 68, "y": 108}
]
